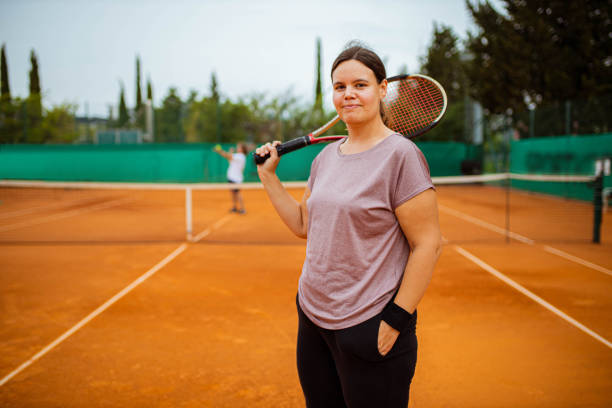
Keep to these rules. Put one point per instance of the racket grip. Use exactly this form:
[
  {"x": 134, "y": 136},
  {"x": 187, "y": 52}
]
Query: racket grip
[{"x": 284, "y": 148}]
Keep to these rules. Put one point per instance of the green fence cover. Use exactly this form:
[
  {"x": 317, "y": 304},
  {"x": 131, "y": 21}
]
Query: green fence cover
[
  {"x": 573, "y": 155},
  {"x": 119, "y": 137},
  {"x": 182, "y": 163}
]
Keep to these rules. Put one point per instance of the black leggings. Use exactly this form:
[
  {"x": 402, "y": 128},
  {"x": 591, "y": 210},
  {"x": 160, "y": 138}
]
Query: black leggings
[{"x": 343, "y": 368}]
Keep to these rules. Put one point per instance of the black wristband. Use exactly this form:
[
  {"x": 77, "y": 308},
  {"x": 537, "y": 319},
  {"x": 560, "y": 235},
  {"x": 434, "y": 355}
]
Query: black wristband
[{"x": 396, "y": 317}]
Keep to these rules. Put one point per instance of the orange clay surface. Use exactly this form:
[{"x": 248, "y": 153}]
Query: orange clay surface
[{"x": 216, "y": 326}]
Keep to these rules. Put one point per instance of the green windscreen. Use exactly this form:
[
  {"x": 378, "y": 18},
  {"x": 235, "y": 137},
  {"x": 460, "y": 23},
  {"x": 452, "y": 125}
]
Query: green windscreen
[{"x": 182, "y": 163}]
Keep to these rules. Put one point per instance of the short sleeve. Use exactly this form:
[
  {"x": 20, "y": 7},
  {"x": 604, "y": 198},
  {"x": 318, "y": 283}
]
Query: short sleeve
[
  {"x": 413, "y": 175},
  {"x": 313, "y": 172}
]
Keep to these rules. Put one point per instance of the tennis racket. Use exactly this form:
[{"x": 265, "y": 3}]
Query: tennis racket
[{"x": 413, "y": 105}]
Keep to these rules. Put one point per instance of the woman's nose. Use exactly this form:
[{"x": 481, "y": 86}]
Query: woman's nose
[{"x": 349, "y": 92}]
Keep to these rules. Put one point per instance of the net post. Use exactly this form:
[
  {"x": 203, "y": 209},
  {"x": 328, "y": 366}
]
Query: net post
[
  {"x": 597, "y": 207},
  {"x": 188, "y": 212},
  {"x": 508, "y": 186}
]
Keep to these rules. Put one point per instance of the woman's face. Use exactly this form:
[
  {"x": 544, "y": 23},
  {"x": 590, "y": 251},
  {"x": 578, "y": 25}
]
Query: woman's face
[{"x": 357, "y": 94}]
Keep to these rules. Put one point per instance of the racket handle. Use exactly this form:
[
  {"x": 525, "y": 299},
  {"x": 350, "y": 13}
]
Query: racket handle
[{"x": 284, "y": 148}]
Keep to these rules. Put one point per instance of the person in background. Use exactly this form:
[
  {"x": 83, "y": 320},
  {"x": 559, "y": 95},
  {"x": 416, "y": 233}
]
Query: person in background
[{"x": 235, "y": 173}]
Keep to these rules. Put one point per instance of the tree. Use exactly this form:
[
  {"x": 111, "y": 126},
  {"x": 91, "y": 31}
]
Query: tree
[
  {"x": 22, "y": 120},
  {"x": 283, "y": 117},
  {"x": 214, "y": 91},
  {"x": 138, "y": 91},
  {"x": 138, "y": 109},
  {"x": 5, "y": 92},
  {"x": 124, "y": 117},
  {"x": 200, "y": 122},
  {"x": 149, "y": 90},
  {"x": 443, "y": 62},
  {"x": 318, "y": 105},
  {"x": 58, "y": 125},
  {"x": 214, "y": 94},
  {"x": 539, "y": 51},
  {"x": 169, "y": 124},
  {"x": 33, "y": 115},
  {"x": 192, "y": 121},
  {"x": 9, "y": 125},
  {"x": 150, "y": 120},
  {"x": 34, "y": 78},
  {"x": 234, "y": 121}
]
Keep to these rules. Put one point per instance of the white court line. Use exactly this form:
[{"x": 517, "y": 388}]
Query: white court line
[
  {"x": 486, "y": 225},
  {"x": 109, "y": 303},
  {"x": 524, "y": 239},
  {"x": 208, "y": 230},
  {"x": 581, "y": 261},
  {"x": 31, "y": 210},
  {"x": 531, "y": 295},
  {"x": 95, "y": 313},
  {"x": 139, "y": 186},
  {"x": 62, "y": 215}
]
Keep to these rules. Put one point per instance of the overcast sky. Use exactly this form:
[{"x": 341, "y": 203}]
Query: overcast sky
[{"x": 86, "y": 47}]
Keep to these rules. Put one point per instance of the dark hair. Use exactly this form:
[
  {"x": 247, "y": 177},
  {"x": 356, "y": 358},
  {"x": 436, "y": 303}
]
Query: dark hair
[
  {"x": 355, "y": 50},
  {"x": 242, "y": 148},
  {"x": 359, "y": 52}
]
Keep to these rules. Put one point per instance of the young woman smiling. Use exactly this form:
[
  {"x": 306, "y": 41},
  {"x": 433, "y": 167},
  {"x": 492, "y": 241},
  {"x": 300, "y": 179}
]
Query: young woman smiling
[{"x": 370, "y": 217}]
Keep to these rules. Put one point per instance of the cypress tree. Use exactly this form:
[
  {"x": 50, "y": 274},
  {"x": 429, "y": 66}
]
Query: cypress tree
[
  {"x": 214, "y": 94},
  {"x": 123, "y": 112},
  {"x": 318, "y": 105},
  {"x": 34, "y": 104},
  {"x": 138, "y": 112},
  {"x": 138, "y": 91},
  {"x": 154, "y": 118},
  {"x": 34, "y": 78},
  {"x": 4, "y": 79},
  {"x": 10, "y": 129},
  {"x": 149, "y": 90}
]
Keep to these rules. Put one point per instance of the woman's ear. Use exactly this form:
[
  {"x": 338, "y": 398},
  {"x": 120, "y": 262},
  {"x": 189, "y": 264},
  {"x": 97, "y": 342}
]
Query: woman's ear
[{"x": 383, "y": 88}]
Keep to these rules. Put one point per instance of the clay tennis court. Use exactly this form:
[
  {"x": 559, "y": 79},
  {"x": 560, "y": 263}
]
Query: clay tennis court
[{"x": 212, "y": 322}]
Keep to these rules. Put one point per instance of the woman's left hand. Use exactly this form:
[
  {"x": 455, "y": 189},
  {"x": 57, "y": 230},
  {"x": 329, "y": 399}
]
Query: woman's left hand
[{"x": 386, "y": 337}]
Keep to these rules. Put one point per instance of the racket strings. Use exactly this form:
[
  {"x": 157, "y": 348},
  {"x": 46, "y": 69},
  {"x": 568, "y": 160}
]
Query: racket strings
[{"x": 412, "y": 105}]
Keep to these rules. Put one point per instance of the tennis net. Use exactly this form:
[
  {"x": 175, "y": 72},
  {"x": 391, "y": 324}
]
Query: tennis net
[
  {"x": 517, "y": 207},
  {"x": 484, "y": 208}
]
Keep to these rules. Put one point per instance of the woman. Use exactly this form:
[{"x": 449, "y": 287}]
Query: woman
[
  {"x": 235, "y": 174},
  {"x": 370, "y": 217}
]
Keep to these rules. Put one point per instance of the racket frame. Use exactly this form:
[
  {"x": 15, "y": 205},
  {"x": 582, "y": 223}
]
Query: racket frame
[{"x": 444, "y": 99}]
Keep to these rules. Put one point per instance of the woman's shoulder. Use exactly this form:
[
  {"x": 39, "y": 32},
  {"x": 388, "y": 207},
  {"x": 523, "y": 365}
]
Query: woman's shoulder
[
  {"x": 403, "y": 147},
  {"x": 402, "y": 143},
  {"x": 408, "y": 155}
]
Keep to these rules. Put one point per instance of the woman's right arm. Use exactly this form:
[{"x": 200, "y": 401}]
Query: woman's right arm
[{"x": 293, "y": 214}]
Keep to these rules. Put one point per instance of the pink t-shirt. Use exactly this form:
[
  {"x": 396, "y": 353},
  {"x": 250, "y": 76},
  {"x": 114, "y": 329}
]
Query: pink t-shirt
[{"x": 356, "y": 251}]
